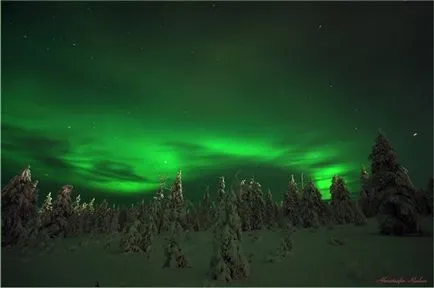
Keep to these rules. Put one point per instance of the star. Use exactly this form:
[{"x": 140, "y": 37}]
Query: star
[
  {"x": 320, "y": 26},
  {"x": 25, "y": 36},
  {"x": 74, "y": 44},
  {"x": 69, "y": 127},
  {"x": 47, "y": 49},
  {"x": 356, "y": 128},
  {"x": 330, "y": 85},
  {"x": 165, "y": 161},
  {"x": 415, "y": 134}
]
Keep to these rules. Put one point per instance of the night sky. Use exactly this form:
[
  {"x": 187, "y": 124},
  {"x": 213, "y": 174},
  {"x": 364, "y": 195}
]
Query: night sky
[{"x": 108, "y": 96}]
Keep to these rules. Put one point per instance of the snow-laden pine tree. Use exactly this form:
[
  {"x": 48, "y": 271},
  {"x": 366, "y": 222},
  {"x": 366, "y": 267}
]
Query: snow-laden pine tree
[
  {"x": 271, "y": 211},
  {"x": 311, "y": 206},
  {"x": 62, "y": 212},
  {"x": 291, "y": 204},
  {"x": 342, "y": 206},
  {"x": 19, "y": 210},
  {"x": 394, "y": 196},
  {"x": 228, "y": 261}
]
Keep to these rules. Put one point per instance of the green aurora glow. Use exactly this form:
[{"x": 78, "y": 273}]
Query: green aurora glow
[{"x": 108, "y": 97}]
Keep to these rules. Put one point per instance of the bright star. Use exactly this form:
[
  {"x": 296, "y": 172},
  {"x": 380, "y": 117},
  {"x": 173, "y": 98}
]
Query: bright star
[{"x": 415, "y": 134}]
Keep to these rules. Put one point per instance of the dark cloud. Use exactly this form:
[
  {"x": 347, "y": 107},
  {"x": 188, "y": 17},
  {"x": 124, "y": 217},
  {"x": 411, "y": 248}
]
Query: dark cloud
[
  {"x": 109, "y": 170},
  {"x": 324, "y": 163},
  {"x": 21, "y": 139},
  {"x": 196, "y": 151},
  {"x": 184, "y": 146},
  {"x": 36, "y": 146}
]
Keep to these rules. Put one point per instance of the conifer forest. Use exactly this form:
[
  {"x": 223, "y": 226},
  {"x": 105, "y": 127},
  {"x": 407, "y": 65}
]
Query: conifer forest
[{"x": 235, "y": 236}]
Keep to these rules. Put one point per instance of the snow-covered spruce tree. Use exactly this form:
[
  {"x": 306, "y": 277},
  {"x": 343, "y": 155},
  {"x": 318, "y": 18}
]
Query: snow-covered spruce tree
[
  {"x": 193, "y": 217},
  {"x": 206, "y": 211},
  {"x": 244, "y": 205},
  {"x": 271, "y": 212},
  {"x": 87, "y": 218},
  {"x": 131, "y": 215},
  {"x": 148, "y": 235},
  {"x": 176, "y": 192},
  {"x": 123, "y": 218},
  {"x": 176, "y": 229},
  {"x": 76, "y": 206},
  {"x": 164, "y": 220},
  {"x": 46, "y": 210},
  {"x": 18, "y": 203},
  {"x": 155, "y": 209},
  {"x": 62, "y": 212},
  {"x": 75, "y": 221},
  {"x": 158, "y": 202},
  {"x": 132, "y": 240},
  {"x": 233, "y": 217},
  {"x": 257, "y": 205},
  {"x": 102, "y": 217},
  {"x": 291, "y": 204},
  {"x": 228, "y": 261},
  {"x": 91, "y": 205},
  {"x": 114, "y": 220},
  {"x": 219, "y": 267},
  {"x": 159, "y": 195},
  {"x": 174, "y": 256},
  {"x": 310, "y": 206},
  {"x": 48, "y": 203},
  {"x": 384, "y": 168},
  {"x": 176, "y": 202},
  {"x": 394, "y": 198},
  {"x": 142, "y": 210},
  {"x": 383, "y": 156},
  {"x": 343, "y": 209},
  {"x": 251, "y": 205},
  {"x": 221, "y": 189}
]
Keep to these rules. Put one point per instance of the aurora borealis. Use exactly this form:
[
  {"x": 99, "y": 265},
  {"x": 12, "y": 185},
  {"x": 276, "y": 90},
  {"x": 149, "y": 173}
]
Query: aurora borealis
[{"x": 108, "y": 96}]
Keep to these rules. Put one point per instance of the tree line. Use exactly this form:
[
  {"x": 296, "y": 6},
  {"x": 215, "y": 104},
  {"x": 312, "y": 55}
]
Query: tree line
[{"x": 387, "y": 193}]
